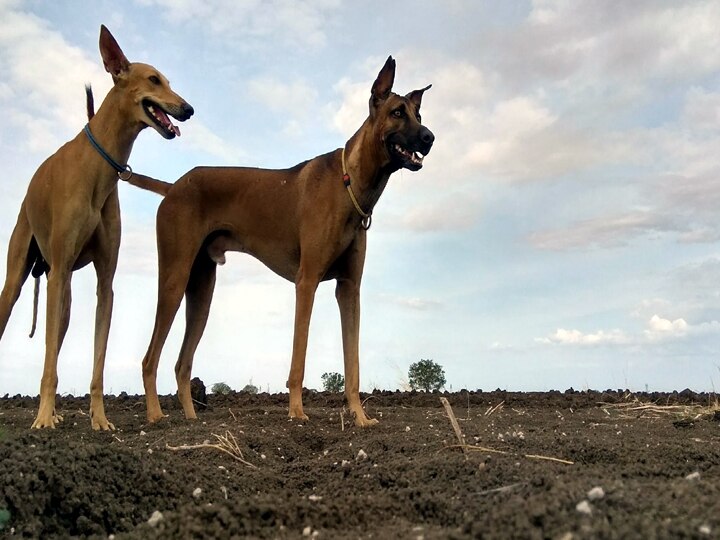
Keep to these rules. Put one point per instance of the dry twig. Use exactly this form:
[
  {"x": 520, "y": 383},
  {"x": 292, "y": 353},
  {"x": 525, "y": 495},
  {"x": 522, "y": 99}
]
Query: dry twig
[
  {"x": 226, "y": 443},
  {"x": 500, "y": 489},
  {"x": 466, "y": 447},
  {"x": 494, "y": 409},
  {"x": 455, "y": 425},
  {"x": 641, "y": 409}
]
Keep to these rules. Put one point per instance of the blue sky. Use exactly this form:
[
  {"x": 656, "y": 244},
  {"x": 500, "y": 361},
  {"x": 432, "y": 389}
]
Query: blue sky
[{"x": 563, "y": 231}]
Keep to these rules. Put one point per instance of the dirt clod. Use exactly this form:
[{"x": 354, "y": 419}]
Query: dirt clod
[{"x": 412, "y": 477}]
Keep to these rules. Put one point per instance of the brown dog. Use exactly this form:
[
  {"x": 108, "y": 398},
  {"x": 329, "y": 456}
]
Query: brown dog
[
  {"x": 71, "y": 214},
  {"x": 307, "y": 224}
]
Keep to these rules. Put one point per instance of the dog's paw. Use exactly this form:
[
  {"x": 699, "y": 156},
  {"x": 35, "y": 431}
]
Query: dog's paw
[
  {"x": 46, "y": 421},
  {"x": 102, "y": 424},
  {"x": 301, "y": 416},
  {"x": 365, "y": 421},
  {"x": 153, "y": 418}
]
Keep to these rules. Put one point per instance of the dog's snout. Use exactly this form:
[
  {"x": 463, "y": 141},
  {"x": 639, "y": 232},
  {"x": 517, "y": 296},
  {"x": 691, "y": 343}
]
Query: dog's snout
[
  {"x": 427, "y": 137},
  {"x": 187, "y": 110}
]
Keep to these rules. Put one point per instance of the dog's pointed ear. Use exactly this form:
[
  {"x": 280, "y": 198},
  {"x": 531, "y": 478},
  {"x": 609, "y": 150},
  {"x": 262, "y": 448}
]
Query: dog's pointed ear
[
  {"x": 112, "y": 55},
  {"x": 382, "y": 86},
  {"x": 416, "y": 96}
]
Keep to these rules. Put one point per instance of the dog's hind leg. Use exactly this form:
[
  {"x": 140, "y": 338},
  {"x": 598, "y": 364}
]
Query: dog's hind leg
[
  {"x": 198, "y": 297},
  {"x": 176, "y": 254},
  {"x": 22, "y": 253},
  {"x": 57, "y": 304}
]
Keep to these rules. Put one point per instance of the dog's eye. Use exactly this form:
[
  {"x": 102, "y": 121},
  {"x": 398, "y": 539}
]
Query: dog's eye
[
  {"x": 418, "y": 118},
  {"x": 154, "y": 79},
  {"x": 398, "y": 113}
]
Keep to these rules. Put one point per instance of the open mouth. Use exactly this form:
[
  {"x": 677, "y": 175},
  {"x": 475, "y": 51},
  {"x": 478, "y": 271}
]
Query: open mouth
[
  {"x": 162, "y": 122},
  {"x": 410, "y": 160}
]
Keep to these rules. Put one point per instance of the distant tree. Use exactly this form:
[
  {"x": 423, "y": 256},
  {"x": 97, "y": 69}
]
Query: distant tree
[
  {"x": 426, "y": 375},
  {"x": 250, "y": 388},
  {"x": 333, "y": 382},
  {"x": 220, "y": 388}
]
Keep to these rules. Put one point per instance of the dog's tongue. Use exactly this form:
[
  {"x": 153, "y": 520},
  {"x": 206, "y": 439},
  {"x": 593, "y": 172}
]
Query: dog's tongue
[{"x": 160, "y": 114}]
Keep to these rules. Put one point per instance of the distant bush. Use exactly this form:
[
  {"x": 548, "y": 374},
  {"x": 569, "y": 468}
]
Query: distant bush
[
  {"x": 333, "y": 382},
  {"x": 250, "y": 388},
  {"x": 426, "y": 375},
  {"x": 220, "y": 388}
]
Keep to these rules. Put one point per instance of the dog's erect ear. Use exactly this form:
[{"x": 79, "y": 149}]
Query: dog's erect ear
[
  {"x": 112, "y": 55},
  {"x": 416, "y": 96},
  {"x": 382, "y": 86}
]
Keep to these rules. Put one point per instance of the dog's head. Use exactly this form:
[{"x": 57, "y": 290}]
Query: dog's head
[
  {"x": 397, "y": 123},
  {"x": 150, "y": 97}
]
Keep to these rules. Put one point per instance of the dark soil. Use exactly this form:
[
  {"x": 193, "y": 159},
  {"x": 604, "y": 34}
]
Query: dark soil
[{"x": 659, "y": 469}]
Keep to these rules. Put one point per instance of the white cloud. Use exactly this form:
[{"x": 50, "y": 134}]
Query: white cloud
[
  {"x": 611, "y": 231},
  {"x": 250, "y": 23},
  {"x": 43, "y": 96},
  {"x": 200, "y": 137},
  {"x": 616, "y": 39},
  {"x": 657, "y": 329},
  {"x": 413, "y": 303},
  {"x": 575, "y": 337},
  {"x": 456, "y": 212}
]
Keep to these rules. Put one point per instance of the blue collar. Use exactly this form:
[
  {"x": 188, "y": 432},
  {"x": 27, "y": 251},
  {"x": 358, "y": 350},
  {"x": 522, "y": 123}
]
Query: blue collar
[{"x": 124, "y": 171}]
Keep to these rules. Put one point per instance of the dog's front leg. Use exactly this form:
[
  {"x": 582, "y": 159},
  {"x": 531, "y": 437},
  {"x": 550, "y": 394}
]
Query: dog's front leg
[
  {"x": 305, "y": 288},
  {"x": 347, "y": 294}
]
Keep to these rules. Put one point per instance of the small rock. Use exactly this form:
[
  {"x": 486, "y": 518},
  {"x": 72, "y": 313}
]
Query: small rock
[
  {"x": 307, "y": 531},
  {"x": 407, "y": 428},
  {"x": 197, "y": 492},
  {"x": 693, "y": 476},
  {"x": 198, "y": 392},
  {"x": 155, "y": 518},
  {"x": 361, "y": 455},
  {"x": 315, "y": 498},
  {"x": 584, "y": 508},
  {"x": 345, "y": 463},
  {"x": 596, "y": 493},
  {"x": 705, "y": 529},
  {"x": 142, "y": 433}
]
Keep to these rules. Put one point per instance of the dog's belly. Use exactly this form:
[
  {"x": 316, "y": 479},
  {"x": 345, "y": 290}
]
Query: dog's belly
[{"x": 281, "y": 260}]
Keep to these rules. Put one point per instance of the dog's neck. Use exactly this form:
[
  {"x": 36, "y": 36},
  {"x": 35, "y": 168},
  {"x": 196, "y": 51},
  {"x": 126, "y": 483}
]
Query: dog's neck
[
  {"x": 112, "y": 129},
  {"x": 367, "y": 166}
]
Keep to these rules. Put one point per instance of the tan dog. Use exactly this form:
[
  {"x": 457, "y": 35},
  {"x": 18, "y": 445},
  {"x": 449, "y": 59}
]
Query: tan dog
[
  {"x": 307, "y": 224},
  {"x": 71, "y": 214}
]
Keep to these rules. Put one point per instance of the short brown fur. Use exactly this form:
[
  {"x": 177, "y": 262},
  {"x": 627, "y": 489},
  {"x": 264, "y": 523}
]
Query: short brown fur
[
  {"x": 71, "y": 216},
  {"x": 300, "y": 222}
]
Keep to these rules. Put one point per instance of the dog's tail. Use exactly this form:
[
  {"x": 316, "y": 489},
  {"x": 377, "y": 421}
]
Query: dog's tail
[
  {"x": 138, "y": 180},
  {"x": 39, "y": 268},
  {"x": 89, "y": 101},
  {"x": 161, "y": 187}
]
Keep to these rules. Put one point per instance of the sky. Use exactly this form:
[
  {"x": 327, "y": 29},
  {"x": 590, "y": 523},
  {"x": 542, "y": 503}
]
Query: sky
[{"x": 562, "y": 233}]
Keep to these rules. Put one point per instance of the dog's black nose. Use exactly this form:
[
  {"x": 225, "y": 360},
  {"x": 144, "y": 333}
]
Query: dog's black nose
[
  {"x": 427, "y": 137},
  {"x": 188, "y": 111}
]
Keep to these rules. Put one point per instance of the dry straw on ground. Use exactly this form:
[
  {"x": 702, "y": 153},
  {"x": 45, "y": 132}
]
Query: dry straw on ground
[
  {"x": 468, "y": 447},
  {"x": 636, "y": 408},
  {"x": 226, "y": 443}
]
